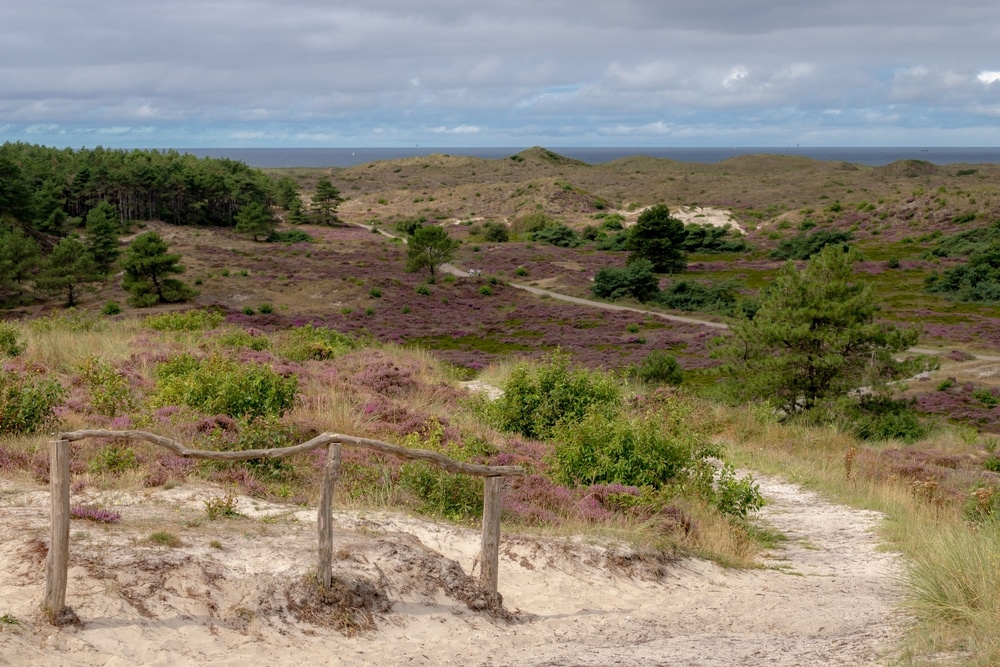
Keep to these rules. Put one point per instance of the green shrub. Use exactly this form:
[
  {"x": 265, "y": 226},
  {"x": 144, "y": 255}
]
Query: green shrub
[
  {"x": 531, "y": 223},
  {"x": 983, "y": 503},
  {"x": 110, "y": 392},
  {"x": 290, "y": 236},
  {"x": 734, "y": 495},
  {"x": 423, "y": 289},
  {"x": 265, "y": 309},
  {"x": 636, "y": 280},
  {"x": 694, "y": 296},
  {"x": 805, "y": 245},
  {"x": 660, "y": 367},
  {"x": 457, "y": 497},
  {"x": 111, "y": 308},
  {"x": 11, "y": 344},
  {"x": 190, "y": 320},
  {"x": 218, "y": 385},
  {"x": 375, "y": 293},
  {"x": 485, "y": 290},
  {"x": 26, "y": 405},
  {"x": 558, "y": 235},
  {"x": 985, "y": 396},
  {"x": 613, "y": 449},
  {"x": 309, "y": 342},
  {"x": 113, "y": 459},
  {"x": 535, "y": 401},
  {"x": 878, "y": 419},
  {"x": 520, "y": 272},
  {"x": 262, "y": 434},
  {"x": 241, "y": 338}
]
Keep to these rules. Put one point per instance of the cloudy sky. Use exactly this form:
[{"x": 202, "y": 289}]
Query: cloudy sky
[{"x": 231, "y": 73}]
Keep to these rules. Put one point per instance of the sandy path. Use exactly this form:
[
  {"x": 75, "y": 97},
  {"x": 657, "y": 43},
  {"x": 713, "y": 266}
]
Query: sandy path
[{"x": 827, "y": 597}]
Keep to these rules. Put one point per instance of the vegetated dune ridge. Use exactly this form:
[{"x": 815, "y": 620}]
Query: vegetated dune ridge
[{"x": 235, "y": 592}]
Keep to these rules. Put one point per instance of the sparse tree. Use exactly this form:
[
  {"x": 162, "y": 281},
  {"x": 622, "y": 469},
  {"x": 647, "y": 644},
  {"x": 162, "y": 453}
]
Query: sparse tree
[
  {"x": 68, "y": 269},
  {"x": 286, "y": 191},
  {"x": 429, "y": 248},
  {"x": 658, "y": 237},
  {"x": 814, "y": 336},
  {"x": 256, "y": 220},
  {"x": 325, "y": 201},
  {"x": 102, "y": 236},
  {"x": 148, "y": 267},
  {"x": 19, "y": 257}
]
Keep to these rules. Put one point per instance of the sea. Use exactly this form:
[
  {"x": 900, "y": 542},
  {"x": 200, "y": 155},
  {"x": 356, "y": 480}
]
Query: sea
[{"x": 349, "y": 157}]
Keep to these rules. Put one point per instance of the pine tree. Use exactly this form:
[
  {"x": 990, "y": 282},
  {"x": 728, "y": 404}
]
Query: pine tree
[
  {"x": 148, "y": 267},
  {"x": 102, "y": 236},
  {"x": 429, "y": 248},
  {"x": 814, "y": 336},
  {"x": 256, "y": 220},
  {"x": 67, "y": 269},
  {"x": 658, "y": 237},
  {"x": 325, "y": 201}
]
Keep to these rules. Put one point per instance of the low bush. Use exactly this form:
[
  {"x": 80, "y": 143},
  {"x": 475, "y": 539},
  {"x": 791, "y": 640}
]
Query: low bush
[
  {"x": 11, "y": 343},
  {"x": 531, "y": 223},
  {"x": 112, "y": 459},
  {"x": 558, "y": 235},
  {"x": 536, "y": 400},
  {"x": 804, "y": 246},
  {"x": 457, "y": 497},
  {"x": 636, "y": 280},
  {"x": 27, "y": 404},
  {"x": 309, "y": 342},
  {"x": 978, "y": 281},
  {"x": 218, "y": 385},
  {"x": 290, "y": 236},
  {"x": 614, "y": 449},
  {"x": 110, "y": 391},
  {"x": 709, "y": 238},
  {"x": 697, "y": 297},
  {"x": 659, "y": 367}
]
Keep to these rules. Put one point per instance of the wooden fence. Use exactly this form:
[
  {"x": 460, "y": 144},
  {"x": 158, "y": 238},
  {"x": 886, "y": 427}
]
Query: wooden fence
[{"x": 57, "y": 562}]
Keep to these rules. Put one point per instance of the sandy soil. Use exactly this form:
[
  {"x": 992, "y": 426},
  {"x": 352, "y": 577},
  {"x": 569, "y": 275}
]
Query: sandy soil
[{"x": 235, "y": 592}]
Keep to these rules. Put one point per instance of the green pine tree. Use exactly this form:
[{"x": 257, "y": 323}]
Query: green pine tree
[
  {"x": 429, "y": 248},
  {"x": 68, "y": 269},
  {"x": 148, "y": 267},
  {"x": 815, "y": 336},
  {"x": 102, "y": 236}
]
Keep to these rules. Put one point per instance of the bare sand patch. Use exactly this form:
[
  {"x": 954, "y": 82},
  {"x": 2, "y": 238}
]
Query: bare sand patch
[{"x": 236, "y": 592}]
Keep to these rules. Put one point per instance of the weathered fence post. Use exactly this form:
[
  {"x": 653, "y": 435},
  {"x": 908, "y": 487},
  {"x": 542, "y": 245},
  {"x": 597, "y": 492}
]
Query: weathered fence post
[
  {"x": 331, "y": 472},
  {"x": 490, "y": 555},
  {"x": 57, "y": 562}
]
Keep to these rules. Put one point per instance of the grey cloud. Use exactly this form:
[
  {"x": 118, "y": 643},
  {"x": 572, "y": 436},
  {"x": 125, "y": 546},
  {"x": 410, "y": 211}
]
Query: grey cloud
[{"x": 638, "y": 68}]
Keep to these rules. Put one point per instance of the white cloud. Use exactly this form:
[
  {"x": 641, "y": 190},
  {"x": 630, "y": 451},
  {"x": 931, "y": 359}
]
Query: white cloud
[
  {"x": 460, "y": 129},
  {"x": 988, "y": 77},
  {"x": 736, "y": 74}
]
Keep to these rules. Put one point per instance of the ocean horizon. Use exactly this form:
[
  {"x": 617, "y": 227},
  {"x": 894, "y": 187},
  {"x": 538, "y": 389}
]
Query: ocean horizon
[{"x": 349, "y": 157}]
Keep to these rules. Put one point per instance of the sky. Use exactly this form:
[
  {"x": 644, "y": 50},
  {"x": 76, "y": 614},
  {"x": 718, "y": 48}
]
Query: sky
[{"x": 455, "y": 73}]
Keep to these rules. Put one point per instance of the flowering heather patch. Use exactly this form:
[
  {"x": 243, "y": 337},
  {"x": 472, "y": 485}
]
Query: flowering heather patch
[
  {"x": 380, "y": 374},
  {"x": 966, "y": 404},
  {"x": 95, "y": 514},
  {"x": 13, "y": 460}
]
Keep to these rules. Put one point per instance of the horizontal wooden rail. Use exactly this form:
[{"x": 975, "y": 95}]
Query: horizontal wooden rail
[
  {"x": 57, "y": 563},
  {"x": 321, "y": 440}
]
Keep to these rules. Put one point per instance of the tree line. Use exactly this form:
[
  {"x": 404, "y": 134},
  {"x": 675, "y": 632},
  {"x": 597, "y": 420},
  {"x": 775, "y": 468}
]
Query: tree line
[{"x": 62, "y": 212}]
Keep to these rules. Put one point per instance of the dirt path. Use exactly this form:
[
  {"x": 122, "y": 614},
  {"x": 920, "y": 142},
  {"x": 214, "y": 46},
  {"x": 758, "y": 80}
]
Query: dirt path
[{"x": 224, "y": 596}]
